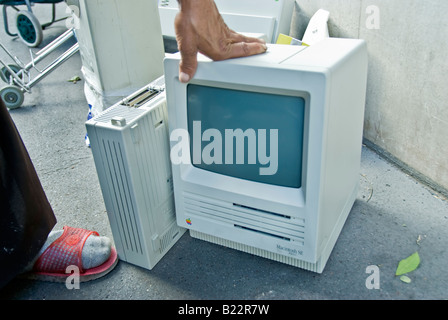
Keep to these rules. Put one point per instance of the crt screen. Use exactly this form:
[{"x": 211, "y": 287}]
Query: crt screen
[{"x": 245, "y": 134}]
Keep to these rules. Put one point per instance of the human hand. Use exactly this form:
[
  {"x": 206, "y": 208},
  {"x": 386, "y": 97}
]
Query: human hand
[{"x": 200, "y": 28}]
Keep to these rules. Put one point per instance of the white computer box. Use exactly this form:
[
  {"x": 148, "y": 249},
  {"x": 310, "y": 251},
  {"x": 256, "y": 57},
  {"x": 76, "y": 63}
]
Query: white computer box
[
  {"x": 130, "y": 147},
  {"x": 121, "y": 48}
]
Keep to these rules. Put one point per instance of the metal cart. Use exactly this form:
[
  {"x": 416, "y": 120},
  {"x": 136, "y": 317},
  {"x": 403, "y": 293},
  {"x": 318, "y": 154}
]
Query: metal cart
[
  {"x": 28, "y": 26},
  {"x": 18, "y": 77}
]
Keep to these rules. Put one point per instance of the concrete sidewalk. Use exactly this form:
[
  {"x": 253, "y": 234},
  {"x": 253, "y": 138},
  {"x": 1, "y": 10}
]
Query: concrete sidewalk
[{"x": 393, "y": 217}]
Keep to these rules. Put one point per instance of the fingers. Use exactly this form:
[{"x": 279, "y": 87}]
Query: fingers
[
  {"x": 188, "y": 63},
  {"x": 238, "y": 45},
  {"x": 243, "y": 49},
  {"x": 238, "y": 37},
  {"x": 202, "y": 29}
]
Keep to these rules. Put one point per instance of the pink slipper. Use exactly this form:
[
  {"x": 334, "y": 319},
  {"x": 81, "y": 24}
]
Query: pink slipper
[{"x": 67, "y": 251}]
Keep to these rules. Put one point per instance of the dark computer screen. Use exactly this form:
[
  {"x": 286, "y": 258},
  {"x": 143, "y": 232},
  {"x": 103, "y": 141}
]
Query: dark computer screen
[{"x": 245, "y": 134}]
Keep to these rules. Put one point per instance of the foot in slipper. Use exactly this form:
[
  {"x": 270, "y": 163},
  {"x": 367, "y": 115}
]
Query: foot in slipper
[{"x": 93, "y": 255}]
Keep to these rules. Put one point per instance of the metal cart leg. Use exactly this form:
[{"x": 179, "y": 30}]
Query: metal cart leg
[
  {"x": 53, "y": 17},
  {"x": 5, "y": 20}
]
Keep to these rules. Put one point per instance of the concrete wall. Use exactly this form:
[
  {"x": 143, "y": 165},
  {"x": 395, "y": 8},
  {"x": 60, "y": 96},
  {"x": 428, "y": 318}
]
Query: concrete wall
[{"x": 407, "y": 96}]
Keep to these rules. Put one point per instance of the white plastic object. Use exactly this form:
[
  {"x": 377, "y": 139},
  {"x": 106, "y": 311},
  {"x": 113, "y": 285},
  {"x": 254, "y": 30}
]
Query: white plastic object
[
  {"x": 317, "y": 28},
  {"x": 130, "y": 147}
]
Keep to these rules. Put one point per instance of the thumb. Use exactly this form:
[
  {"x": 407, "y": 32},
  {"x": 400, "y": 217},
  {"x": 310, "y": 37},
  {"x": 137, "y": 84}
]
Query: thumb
[
  {"x": 186, "y": 41},
  {"x": 188, "y": 65}
]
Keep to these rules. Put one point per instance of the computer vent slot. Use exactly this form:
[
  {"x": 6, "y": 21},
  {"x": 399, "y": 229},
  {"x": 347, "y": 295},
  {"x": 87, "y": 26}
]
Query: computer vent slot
[
  {"x": 120, "y": 196},
  {"x": 246, "y": 218},
  {"x": 167, "y": 240},
  {"x": 315, "y": 267}
]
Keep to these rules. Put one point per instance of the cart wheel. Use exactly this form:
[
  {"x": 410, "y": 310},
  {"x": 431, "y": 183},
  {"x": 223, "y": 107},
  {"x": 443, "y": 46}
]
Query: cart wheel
[
  {"x": 12, "y": 96},
  {"x": 29, "y": 28},
  {"x": 5, "y": 74}
]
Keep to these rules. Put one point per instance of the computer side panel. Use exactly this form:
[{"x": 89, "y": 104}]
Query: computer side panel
[{"x": 342, "y": 144}]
